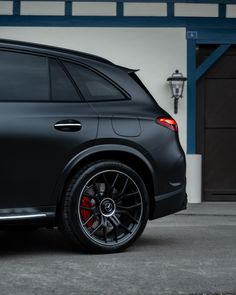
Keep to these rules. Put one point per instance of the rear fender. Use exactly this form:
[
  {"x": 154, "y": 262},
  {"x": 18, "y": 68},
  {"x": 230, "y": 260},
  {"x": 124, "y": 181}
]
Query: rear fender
[{"x": 93, "y": 151}]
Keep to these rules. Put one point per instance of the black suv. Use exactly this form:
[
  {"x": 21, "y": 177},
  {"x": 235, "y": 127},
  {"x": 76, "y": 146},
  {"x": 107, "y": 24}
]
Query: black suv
[{"x": 84, "y": 147}]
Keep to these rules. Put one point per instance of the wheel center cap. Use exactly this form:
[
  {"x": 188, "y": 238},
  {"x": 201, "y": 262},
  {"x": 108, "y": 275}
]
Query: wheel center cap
[{"x": 107, "y": 207}]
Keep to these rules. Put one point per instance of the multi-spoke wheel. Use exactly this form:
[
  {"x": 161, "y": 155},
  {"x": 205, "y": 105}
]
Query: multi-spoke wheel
[{"x": 105, "y": 207}]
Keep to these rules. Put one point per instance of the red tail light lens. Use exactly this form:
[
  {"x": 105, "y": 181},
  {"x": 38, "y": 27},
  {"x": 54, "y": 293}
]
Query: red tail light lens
[{"x": 168, "y": 122}]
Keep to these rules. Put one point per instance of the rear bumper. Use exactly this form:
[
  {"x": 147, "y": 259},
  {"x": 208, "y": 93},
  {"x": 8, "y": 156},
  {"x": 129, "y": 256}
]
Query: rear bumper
[{"x": 169, "y": 203}]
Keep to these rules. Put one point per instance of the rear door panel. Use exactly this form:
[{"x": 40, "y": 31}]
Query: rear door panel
[{"x": 33, "y": 153}]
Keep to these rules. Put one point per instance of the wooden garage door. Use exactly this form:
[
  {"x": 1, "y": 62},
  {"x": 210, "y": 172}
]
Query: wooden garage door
[{"x": 217, "y": 125}]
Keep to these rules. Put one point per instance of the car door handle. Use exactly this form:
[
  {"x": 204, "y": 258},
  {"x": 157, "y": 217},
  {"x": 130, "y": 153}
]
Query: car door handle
[{"x": 68, "y": 125}]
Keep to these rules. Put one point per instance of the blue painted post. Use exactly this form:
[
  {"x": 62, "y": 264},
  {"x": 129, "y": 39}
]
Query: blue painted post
[
  {"x": 191, "y": 100},
  {"x": 170, "y": 9},
  {"x": 68, "y": 8},
  {"x": 222, "y": 10},
  {"x": 16, "y": 7},
  {"x": 119, "y": 9}
]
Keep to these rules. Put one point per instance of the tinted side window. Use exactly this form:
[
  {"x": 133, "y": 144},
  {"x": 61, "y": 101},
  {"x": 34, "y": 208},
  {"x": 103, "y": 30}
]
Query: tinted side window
[
  {"x": 93, "y": 86},
  {"x": 62, "y": 88},
  {"x": 23, "y": 77}
]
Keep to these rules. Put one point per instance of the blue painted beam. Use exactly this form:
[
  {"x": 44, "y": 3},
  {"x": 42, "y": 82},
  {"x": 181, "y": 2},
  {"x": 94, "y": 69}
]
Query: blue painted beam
[
  {"x": 217, "y": 35},
  {"x": 118, "y": 21},
  {"x": 191, "y": 97},
  {"x": 211, "y": 59}
]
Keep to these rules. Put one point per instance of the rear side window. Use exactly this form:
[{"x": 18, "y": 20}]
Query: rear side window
[
  {"x": 62, "y": 88},
  {"x": 92, "y": 86},
  {"x": 23, "y": 77}
]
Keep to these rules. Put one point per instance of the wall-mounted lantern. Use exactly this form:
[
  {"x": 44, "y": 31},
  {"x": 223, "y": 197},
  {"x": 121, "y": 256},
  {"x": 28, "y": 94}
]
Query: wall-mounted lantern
[{"x": 176, "y": 82}]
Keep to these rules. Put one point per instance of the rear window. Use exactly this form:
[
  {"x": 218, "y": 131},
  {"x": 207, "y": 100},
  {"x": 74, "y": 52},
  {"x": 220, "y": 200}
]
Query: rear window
[{"x": 93, "y": 86}]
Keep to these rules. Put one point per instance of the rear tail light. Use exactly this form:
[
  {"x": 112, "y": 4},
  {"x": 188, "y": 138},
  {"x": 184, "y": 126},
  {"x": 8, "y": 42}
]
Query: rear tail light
[{"x": 168, "y": 122}]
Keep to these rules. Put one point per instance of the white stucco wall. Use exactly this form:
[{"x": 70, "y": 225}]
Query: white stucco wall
[
  {"x": 196, "y": 9},
  {"x": 157, "y": 52}
]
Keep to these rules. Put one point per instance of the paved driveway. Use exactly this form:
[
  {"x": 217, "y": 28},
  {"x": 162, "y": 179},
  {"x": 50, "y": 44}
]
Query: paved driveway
[{"x": 180, "y": 254}]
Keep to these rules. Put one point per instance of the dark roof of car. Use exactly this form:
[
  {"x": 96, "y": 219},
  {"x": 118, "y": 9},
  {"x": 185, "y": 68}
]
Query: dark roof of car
[{"x": 56, "y": 49}]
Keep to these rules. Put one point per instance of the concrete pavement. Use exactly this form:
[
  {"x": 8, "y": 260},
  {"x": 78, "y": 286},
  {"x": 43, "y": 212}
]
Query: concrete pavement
[
  {"x": 211, "y": 208},
  {"x": 180, "y": 254}
]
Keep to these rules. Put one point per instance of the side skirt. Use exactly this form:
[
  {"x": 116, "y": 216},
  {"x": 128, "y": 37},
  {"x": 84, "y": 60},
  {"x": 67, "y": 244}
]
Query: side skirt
[{"x": 24, "y": 216}]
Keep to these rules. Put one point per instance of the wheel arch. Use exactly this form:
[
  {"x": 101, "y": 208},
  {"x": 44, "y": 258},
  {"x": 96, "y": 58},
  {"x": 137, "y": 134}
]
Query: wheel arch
[{"x": 125, "y": 154}]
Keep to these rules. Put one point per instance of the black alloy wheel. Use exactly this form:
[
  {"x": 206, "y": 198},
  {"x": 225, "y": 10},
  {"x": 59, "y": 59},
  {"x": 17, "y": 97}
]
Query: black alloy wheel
[{"x": 105, "y": 208}]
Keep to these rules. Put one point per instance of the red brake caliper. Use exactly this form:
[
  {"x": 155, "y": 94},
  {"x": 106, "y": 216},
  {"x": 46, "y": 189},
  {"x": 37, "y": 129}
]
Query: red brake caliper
[{"x": 85, "y": 202}]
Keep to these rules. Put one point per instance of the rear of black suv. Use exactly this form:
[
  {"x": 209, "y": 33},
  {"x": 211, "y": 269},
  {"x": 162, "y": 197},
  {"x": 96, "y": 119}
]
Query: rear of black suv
[
  {"x": 86, "y": 148},
  {"x": 139, "y": 122}
]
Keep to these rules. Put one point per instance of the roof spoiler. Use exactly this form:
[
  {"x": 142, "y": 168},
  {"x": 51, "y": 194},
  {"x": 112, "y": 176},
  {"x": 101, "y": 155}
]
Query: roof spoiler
[{"x": 128, "y": 70}]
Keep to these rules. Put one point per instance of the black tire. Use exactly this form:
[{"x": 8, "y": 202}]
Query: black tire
[{"x": 105, "y": 207}]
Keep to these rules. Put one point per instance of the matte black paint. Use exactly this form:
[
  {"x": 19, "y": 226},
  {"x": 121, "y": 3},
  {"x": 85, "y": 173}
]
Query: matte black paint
[{"x": 37, "y": 158}]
